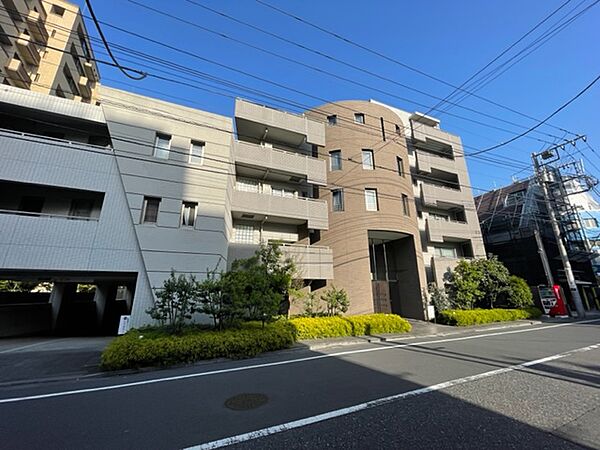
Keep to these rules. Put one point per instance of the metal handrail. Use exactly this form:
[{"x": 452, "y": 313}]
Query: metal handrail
[
  {"x": 16, "y": 212},
  {"x": 278, "y": 150},
  {"x": 315, "y": 200}
]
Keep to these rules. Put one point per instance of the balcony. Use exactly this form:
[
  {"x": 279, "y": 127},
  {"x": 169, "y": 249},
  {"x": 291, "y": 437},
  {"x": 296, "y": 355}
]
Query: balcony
[
  {"x": 313, "y": 169},
  {"x": 448, "y": 231},
  {"x": 84, "y": 87},
  {"x": 28, "y": 50},
  {"x": 17, "y": 73},
  {"x": 442, "y": 197},
  {"x": 424, "y": 133},
  {"x": 35, "y": 23},
  {"x": 298, "y": 210},
  {"x": 428, "y": 161},
  {"x": 313, "y": 262},
  {"x": 90, "y": 71},
  {"x": 256, "y": 121}
]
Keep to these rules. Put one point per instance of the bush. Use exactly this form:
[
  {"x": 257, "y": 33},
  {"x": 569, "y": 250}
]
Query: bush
[
  {"x": 336, "y": 301},
  {"x": 156, "y": 347},
  {"x": 519, "y": 294},
  {"x": 326, "y": 327},
  {"x": 463, "y": 318}
]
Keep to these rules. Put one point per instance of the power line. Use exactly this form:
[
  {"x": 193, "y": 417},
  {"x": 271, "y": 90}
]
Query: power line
[
  {"x": 393, "y": 60},
  {"x": 514, "y": 138}
]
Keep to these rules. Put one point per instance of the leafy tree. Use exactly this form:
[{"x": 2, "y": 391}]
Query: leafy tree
[
  {"x": 311, "y": 304},
  {"x": 336, "y": 301},
  {"x": 17, "y": 286},
  {"x": 519, "y": 294},
  {"x": 494, "y": 281},
  {"x": 215, "y": 301},
  {"x": 176, "y": 302},
  {"x": 464, "y": 285}
]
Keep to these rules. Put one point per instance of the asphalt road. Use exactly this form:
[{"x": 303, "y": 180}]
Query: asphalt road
[{"x": 528, "y": 387}]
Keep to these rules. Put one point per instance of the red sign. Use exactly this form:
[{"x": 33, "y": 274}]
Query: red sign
[{"x": 559, "y": 308}]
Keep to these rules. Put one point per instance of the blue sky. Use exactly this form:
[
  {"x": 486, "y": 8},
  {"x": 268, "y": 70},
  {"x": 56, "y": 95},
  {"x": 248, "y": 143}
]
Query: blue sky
[{"x": 450, "y": 40}]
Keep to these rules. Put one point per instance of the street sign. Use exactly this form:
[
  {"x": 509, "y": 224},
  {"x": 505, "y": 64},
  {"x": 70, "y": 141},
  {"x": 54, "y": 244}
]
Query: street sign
[{"x": 547, "y": 298}]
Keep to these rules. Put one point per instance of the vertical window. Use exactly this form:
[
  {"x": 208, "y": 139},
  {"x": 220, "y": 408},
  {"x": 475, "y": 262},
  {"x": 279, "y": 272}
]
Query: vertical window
[
  {"x": 59, "y": 92},
  {"x": 150, "y": 210},
  {"x": 398, "y": 129},
  {"x": 162, "y": 145},
  {"x": 196, "y": 152},
  {"x": 70, "y": 80},
  {"x": 76, "y": 60},
  {"x": 244, "y": 234},
  {"x": 371, "y": 199},
  {"x": 405, "y": 205},
  {"x": 368, "y": 161},
  {"x": 359, "y": 118},
  {"x": 335, "y": 160},
  {"x": 382, "y": 128},
  {"x": 188, "y": 214},
  {"x": 3, "y": 37},
  {"x": 337, "y": 196},
  {"x": 84, "y": 44},
  {"x": 400, "y": 165},
  {"x": 332, "y": 120}
]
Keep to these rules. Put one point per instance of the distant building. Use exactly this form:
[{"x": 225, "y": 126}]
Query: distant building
[
  {"x": 44, "y": 47},
  {"x": 509, "y": 217}
]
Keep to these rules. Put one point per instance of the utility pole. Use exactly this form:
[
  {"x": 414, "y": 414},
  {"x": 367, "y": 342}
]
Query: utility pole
[
  {"x": 541, "y": 174},
  {"x": 543, "y": 256}
]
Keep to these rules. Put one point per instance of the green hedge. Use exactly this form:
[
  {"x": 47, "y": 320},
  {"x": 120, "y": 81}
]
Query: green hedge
[
  {"x": 151, "y": 347},
  {"x": 462, "y": 318},
  {"x": 326, "y": 327}
]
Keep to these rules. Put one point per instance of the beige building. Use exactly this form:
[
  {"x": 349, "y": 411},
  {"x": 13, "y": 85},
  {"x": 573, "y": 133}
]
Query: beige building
[
  {"x": 44, "y": 48},
  {"x": 401, "y": 211}
]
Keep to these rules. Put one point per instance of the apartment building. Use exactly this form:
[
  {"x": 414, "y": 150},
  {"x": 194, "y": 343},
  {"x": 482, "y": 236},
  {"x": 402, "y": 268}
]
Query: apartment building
[
  {"x": 274, "y": 195},
  {"x": 44, "y": 47},
  {"x": 401, "y": 210},
  {"x": 117, "y": 196}
]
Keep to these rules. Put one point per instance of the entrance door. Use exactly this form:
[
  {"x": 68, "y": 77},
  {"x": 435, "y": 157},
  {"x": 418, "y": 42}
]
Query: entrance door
[{"x": 381, "y": 297}]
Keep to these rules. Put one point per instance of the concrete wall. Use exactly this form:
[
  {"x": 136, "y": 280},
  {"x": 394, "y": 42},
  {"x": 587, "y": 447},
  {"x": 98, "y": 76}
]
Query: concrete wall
[{"x": 133, "y": 122}]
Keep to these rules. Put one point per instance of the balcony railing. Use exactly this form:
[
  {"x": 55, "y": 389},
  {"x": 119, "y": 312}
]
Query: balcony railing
[
  {"x": 447, "y": 230},
  {"x": 428, "y": 161},
  {"x": 35, "y": 23},
  {"x": 15, "y": 212},
  {"x": 28, "y": 49},
  {"x": 313, "y": 169},
  {"x": 441, "y": 196},
  {"x": 311, "y": 210},
  {"x": 18, "y": 74}
]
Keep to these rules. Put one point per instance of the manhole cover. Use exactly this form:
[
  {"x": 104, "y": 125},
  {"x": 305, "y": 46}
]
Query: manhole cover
[{"x": 244, "y": 402}]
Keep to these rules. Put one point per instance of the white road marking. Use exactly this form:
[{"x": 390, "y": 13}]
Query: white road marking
[
  {"x": 23, "y": 347},
  {"x": 378, "y": 402},
  {"x": 277, "y": 363}
]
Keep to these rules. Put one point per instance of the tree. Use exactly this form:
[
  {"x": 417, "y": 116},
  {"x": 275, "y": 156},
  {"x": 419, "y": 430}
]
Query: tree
[
  {"x": 176, "y": 302},
  {"x": 260, "y": 284},
  {"x": 519, "y": 294},
  {"x": 336, "y": 301},
  {"x": 494, "y": 281},
  {"x": 439, "y": 298},
  {"x": 17, "y": 286},
  {"x": 464, "y": 285},
  {"x": 215, "y": 301}
]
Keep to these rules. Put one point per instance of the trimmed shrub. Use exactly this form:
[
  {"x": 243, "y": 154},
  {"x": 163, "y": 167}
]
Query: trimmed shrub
[
  {"x": 155, "y": 347},
  {"x": 519, "y": 294},
  {"x": 326, "y": 327},
  {"x": 464, "y": 318}
]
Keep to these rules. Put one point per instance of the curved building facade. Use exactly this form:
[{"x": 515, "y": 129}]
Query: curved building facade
[{"x": 373, "y": 226}]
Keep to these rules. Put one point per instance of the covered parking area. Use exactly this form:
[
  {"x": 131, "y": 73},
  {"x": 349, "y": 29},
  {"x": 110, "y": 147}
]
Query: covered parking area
[{"x": 65, "y": 303}]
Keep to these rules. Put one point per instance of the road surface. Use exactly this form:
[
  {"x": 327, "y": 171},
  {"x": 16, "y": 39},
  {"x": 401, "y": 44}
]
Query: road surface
[{"x": 527, "y": 387}]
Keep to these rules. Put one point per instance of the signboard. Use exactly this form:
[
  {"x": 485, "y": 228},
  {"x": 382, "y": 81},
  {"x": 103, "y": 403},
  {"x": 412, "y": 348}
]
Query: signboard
[
  {"x": 547, "y": 298},
  {"x": 124, "y": 325}
]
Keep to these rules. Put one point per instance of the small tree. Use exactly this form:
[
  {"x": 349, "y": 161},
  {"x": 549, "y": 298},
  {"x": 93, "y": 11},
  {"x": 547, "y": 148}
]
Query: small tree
[
  {"x": 215, "y": 301},
  {"x": 336, "y": 301},
  {"x": 464, "y": 285},
  {"x": 176, "y": 302},
  {"x": 494, "y": 282},
  {"x": 519, "y": 294},
  {"x": 311, "y": 305},
  {"x": 439, "y": 298}
]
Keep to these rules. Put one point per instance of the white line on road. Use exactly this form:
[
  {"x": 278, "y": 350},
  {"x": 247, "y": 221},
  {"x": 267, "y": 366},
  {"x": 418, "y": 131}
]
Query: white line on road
[
  {"x": 277, "y": 363},
  {"x": 378, "y": 402}
]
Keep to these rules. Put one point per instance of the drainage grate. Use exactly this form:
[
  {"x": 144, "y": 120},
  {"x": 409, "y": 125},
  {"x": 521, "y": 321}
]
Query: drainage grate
[{"x": 245, "y": 402}]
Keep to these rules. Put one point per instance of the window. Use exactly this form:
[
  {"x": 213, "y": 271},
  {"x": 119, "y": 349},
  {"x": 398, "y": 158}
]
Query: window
[
  {"x": 590, "y": 222},
  {"x": 244, "y": 234},
  {"x": 405, "y": 205},
  {"x": 70, "y": 81},
  {"x": 77, "y": 62},
  {"x": 188, "y": 214},
  {"x": 382, "y": 128},
  {"x": 150, "y": 210},
  {"x": 335, "y": 160},
  {"x": 445, "y": 252},
  {"x": 59, "y": 92},
  {"x": 196, "y": 152},
  {"x": 246, "y": 185},
  {"x": 359, "y": 118},
  {"x": 400, "y": 165},
  {"x": 57, "y": 10},
  {"x": 514, "y": 198},
  {"x": 398, "y": 129},
  {"x": 162, "y": 146},
  {"x": 81, "y": 207},
  {"x": 332, "y": 120},
  {"x": 371, "y": 199},
  {"x": 84, "y": 44},
  {"x": 32, "y": 204},
  {"x": 368, "y": 162},
  {"x": 3, "y": 37},
  {"x": 337, "y": 196},
  {"x": 283, "y": 192},
  {"x": 436, "y": 216}
]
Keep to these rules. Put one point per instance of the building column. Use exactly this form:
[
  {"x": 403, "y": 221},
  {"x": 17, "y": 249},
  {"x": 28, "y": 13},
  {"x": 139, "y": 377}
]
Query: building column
[
  {"x": 100, "y": 298},
  {"x": 58, "y": 293}
]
